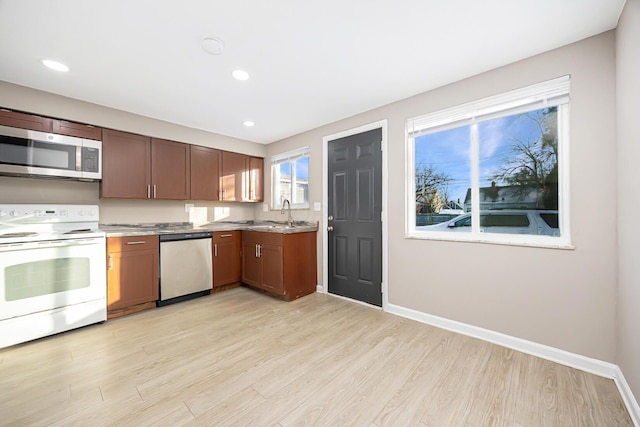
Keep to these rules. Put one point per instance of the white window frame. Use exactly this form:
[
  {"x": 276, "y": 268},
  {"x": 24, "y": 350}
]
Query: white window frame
[
  {"x": 278, "y": 159},
  {"x": 550, "y": 93}
]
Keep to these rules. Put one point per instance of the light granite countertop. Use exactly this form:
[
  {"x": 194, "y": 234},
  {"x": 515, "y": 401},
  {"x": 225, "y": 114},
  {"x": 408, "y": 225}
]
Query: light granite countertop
[{"x": 145, "y": 229}]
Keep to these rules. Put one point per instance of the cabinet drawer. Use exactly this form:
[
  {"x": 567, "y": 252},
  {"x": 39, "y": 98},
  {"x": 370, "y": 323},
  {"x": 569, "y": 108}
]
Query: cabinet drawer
[
  {"x": 222, "y": 236},
  {"x": 132, "y": 243},
  {"x": 262, "y": 237}
]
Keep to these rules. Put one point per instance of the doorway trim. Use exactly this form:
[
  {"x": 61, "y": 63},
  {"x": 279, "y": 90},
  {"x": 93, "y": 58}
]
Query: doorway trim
[{"x": 381, "y": 124}]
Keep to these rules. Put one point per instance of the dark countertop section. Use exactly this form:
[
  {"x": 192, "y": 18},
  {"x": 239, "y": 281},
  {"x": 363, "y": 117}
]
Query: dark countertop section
[{"x": 145, "y": 229}]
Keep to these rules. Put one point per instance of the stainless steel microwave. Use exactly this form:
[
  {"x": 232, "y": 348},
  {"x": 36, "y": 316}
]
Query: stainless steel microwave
[{"x": 31, "y": 153}]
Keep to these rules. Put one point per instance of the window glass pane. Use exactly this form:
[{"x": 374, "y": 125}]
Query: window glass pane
[
  {"x": 301, "y": 193},
  {"x": 518, "y": 168},
  {"x": 290, "y": 179},
  {"x": 285, "y": 181},
  {"x": 496, "y": 161},
  {"x": 443, "y": 177}
]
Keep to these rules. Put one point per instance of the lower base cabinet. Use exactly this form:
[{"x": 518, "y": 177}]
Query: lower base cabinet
[
  {"x": 281, "y": 264},
  {"x": 226, "y": 257},
  {"x": 132, "y": 274}
]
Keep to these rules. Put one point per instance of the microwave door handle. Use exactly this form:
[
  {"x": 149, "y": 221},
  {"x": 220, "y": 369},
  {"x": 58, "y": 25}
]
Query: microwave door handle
[{"x": 79, "y": 158}]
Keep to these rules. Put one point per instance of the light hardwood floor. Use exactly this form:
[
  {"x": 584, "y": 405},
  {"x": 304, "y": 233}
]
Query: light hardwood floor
[{"x": 242, "y": 358}]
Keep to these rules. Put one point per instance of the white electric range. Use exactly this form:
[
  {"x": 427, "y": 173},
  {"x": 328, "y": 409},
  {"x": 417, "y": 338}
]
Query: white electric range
[{"x": 52, "y": 270}]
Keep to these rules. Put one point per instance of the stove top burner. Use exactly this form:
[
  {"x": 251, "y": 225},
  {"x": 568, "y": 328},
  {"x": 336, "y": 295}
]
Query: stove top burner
[{"x": 13, "y": 235}]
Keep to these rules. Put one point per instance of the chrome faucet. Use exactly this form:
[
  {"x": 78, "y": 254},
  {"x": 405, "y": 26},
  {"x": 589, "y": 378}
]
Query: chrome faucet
[{"x": 288, "y": 204}]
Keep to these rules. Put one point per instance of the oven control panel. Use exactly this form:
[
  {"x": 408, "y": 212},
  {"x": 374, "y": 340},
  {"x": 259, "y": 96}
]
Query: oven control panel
[{"x": 48, "y": 213}]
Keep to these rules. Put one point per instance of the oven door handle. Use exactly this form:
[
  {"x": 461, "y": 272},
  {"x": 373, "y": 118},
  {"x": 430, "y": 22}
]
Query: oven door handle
[{"x": 50, "y": 244}]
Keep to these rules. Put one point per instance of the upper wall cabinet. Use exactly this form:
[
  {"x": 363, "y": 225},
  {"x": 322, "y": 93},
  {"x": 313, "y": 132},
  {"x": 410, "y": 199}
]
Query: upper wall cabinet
[
  {"x": 126, "y": 165},
  {"x": 256, "y": 179},
  {"x": 46, "y": 124},
  {"x": 241, "y": 179},
  {"x": 25, "y": 121},
  {"x": 170, "y": 170},
  {"x": 205, "y": 173},
  {"x": 233, "y": 177},
  {"x": 139, "y": 167},
  {"x": 79, "y": 130}
]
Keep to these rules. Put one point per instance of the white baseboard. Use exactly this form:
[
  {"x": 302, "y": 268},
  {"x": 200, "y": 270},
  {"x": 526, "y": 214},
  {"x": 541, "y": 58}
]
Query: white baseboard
[
  {"x": 627, "y": 396},
  {"x": 587, "y": 364},
  {"x": 320, "y": 289}
]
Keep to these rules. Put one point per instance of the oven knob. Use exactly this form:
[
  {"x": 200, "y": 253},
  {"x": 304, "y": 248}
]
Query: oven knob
[
  {"x": 3, "y": 213},
  {"x": 13, "y": 213},
  {"x": 81, "y": 212},
  {"x": 92, "y": 212}
]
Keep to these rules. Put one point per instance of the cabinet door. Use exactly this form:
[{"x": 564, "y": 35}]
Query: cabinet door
[
  {"x": 25, "y": 121},
  {"x": 170, "y": 170},
  {"x": 256, "y": 179},
  {"x": 272, "y": 271},
  {"x": 251, "y": 265},
  {"x": 226, "y": 258},
  {"x": 205, "y": 173},
  {"x": 132, "y": 278},
  {"x": 233, "y": 180},
  {"x": 79, "y": 130},
  {"x": 126, "y": 165}
]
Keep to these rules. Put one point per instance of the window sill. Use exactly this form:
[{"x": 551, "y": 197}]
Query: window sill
[{"x": 532, "y": 242}]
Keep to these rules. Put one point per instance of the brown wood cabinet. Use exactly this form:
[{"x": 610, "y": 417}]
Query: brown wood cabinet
[
  {"x": 45, "y": 124},
  {"x": 126, "y": 165},
  {"x": 281, "y": 264},
  {"x": 232, "y": 177},
  {"x": 79, "y": 130},
  {"x": 132, "y": 274},
  {"x": 256, "y": 179},
  {"x": 139, "y": 167},
  {"x": 25, "y": 121},
  {"x": 205, "y": 173},
  {"x": 226, "y": 257},
  {"x": 170, "y": 170}
]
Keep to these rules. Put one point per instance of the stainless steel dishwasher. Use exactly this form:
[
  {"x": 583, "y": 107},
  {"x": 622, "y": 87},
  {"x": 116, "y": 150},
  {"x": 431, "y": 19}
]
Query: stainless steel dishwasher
[{"x": 185, "y": 266}]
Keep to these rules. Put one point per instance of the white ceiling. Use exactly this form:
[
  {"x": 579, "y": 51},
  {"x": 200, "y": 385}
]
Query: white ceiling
[{"x": 311, "y": 62}]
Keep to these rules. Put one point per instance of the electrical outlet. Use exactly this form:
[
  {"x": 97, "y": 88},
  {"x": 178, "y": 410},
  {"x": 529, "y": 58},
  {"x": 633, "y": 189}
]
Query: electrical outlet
[{"x": 265, "y": 207}]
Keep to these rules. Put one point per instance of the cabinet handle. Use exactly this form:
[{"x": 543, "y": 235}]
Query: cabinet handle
[
  {"x": 154, "y": 191},
  {"x": 109, "y": 265},
  {"x": 148, "y": 191},
  {"x": 215, "y": 249},
  {"x": 142, "y": 242},
  {"x": 226, "y": 235},
  {"x": 259, "y": 251}
]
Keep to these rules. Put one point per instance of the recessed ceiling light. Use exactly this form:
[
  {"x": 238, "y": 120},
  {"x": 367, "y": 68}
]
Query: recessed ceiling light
[
  {"x": 248, "y": 123},
  {"x": 212, "y": 45},
  {"x": 55, "y": 65},
  {"x": 240, "y": 75}
]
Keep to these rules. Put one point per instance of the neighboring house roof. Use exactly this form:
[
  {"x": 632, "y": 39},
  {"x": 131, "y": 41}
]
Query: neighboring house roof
[{"x": 504, "y": 197}]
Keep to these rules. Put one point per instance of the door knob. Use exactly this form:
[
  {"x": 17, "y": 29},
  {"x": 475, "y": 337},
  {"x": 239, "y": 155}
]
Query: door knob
[
  {"x": 330, "y": 218},
  {"x": 329, "y": 228}
]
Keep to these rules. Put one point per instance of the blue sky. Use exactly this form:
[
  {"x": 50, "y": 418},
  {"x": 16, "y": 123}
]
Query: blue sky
[
  {"x": 302, "y": 168},
  {"x": 449, "y": 151}
]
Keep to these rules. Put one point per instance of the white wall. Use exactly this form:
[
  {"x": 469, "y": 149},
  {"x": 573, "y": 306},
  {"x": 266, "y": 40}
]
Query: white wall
[
  {"x": 561, "y": 298},
  {"x": 628, "y": 107}
]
